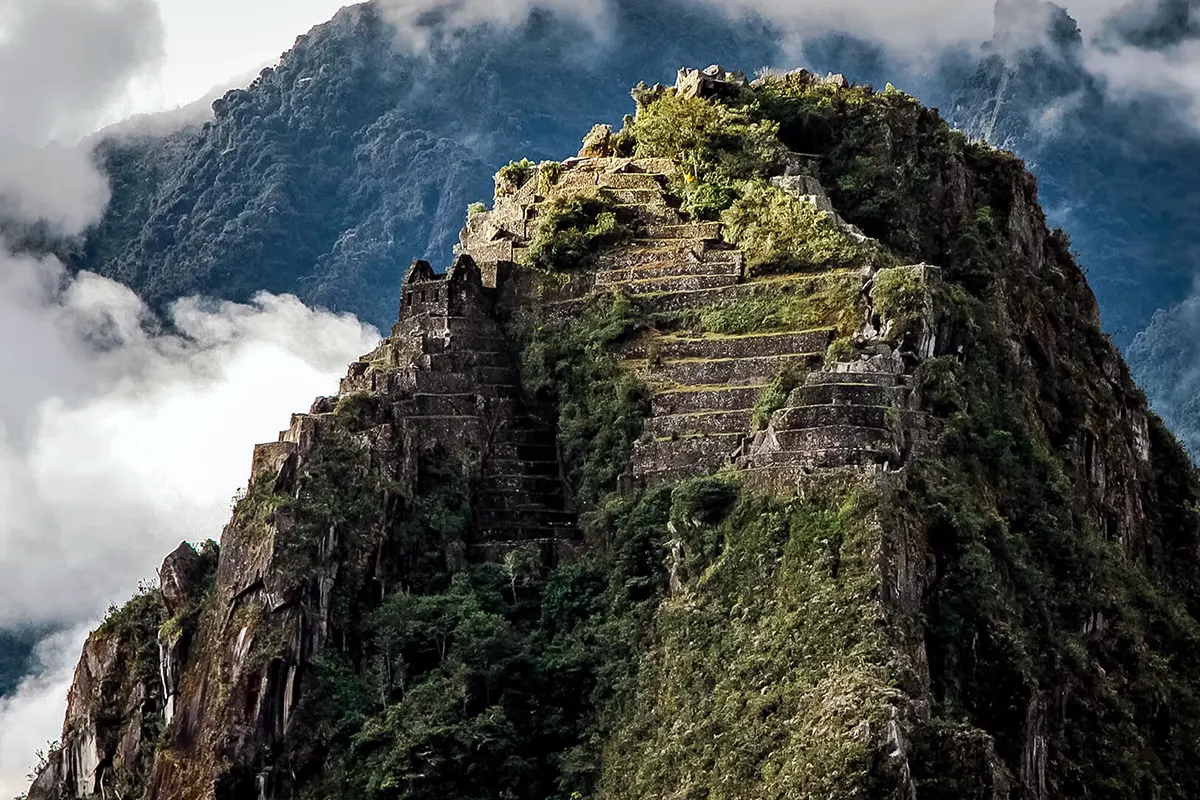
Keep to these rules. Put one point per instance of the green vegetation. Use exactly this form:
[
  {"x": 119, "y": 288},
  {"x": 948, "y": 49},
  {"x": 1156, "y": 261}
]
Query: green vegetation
[
  {"x": 571, "y": 231},
  {"x": 132, "y": 683},
  {"x": 513, "y": 176},
  {"x": 475, "y": 209},
  {"x": 357, "y": 411},
  {"x": 186, "y": 619},
  {"x": 841, "y": 349},
  {"x": 901, "y": 296},
  {"x": 774, "y": 397},
  {"x": 778, "y": 233},
  {"x": 572, "y": 364},
  {"x": 549, "y": 173},
  {"x": 826, "y": 301},
  {"x": 1027, "y": 586},
  {"x": 717, "y": 144},
  {"x": 774, "y": 631}
]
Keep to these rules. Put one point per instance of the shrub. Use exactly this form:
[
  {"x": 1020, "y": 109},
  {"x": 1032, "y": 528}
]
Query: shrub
[
  {"x": 703, "y": 501},
  {"x": 774, "y": 397},
  {"x": 549, "y": 173},
  {"x": 827, "y": 300},
  {"x": 707, "y": 201},
  {"x": 357, "y": 411},
  {"x": 716, "y": 143},
  {"x": 779, "y": 233},
  {"x": 840, "y": 350},
  {"x": 571, "y": 231},
  {"x": 476, "y": 208},
  {"x": 573, "y": 364},
  {"x": 513, "y": 176},
  {"x": 900, "y": 296}
]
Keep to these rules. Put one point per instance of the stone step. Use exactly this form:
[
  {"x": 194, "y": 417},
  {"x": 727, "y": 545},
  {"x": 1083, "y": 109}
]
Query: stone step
[
  {"x": 533, "y": 485},
  {"x": 531, "y": 469},
  {"x": 646, "y": 197},
  {"x": 666, "y": 268},
  {"x": 527, "y": 433},
  {"x": 667, "y": 245},
  {"x": 524, "y": 516},
  {"x": 493, "y": 543},
  {"x": 495, "y": 497},
  {"x": 703, "y": 231},
  {"x": 798, "y": 418},
  {"x": 728, "y": 371},
  {"x": 576, "y": 179},
  {"x": 631, "y": 257},
  {"x": 515, "y": 529},
  {"x": 464, "y": 360},
  {"x": 703, "y": 453},
  {"x": 427, "y": 382},
  {"x": 677, "y": 283},
  {"x": 831, "y": 437},
  {"x": 697, "y": 399},
  {"x": 859, "y": 394},
  {"x": 762, "y": 344},
  {"x": 650, "y": 215},
  {"x": 832, "y": 458},
  {"x": 631, "y": 180},
  {"x": 853, "y": 379},
  {"x": 703, "y": 423},
  {"x": 462, "y": 404},
  {"x": 682, "y": 300},
  {"x": 539, "y": 452},
  {"x": 438, "y": 343}
]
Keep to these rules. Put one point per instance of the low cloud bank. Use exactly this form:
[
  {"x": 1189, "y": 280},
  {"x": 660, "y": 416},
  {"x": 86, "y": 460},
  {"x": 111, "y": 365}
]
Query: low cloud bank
[{"x": 117, "y": 443}]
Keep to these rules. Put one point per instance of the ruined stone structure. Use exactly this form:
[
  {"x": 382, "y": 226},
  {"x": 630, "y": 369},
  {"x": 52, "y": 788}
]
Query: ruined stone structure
[
  {"x": 849, "y": 415},
  {"x": 452, "y": 381}
]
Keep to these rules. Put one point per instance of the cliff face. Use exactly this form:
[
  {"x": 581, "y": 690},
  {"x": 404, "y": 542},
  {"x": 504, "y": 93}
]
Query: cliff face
[{"x": 707, "y": 469}]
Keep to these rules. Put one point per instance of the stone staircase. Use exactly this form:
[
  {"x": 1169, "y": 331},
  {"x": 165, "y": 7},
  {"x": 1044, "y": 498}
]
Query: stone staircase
[
  {"x": 847, "y": 416},
  {"x": 450, "y": 377},
  {"x": 851, "y": 416},
  {"x": 704, "y": 389}
]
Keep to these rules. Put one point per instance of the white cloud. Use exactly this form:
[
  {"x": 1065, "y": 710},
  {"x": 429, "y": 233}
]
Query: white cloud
[
  {"x": 119, "y": 443},
  {"x": 31, "y": 717},
  {"x": 411, "y": 17},
  {"x": 1172, "y": 74},
  {"x": 62, "y": 62},
  {"x": 116, "y": 444}
]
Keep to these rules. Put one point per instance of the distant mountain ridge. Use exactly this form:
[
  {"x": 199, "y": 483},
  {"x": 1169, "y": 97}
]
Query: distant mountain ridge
[{"x": 350, "y": 158}]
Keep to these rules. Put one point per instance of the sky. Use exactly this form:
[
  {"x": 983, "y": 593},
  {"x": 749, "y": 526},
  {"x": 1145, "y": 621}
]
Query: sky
[
  {"x": 115, "y": 443},
  {"x": 209, "y": 43}
]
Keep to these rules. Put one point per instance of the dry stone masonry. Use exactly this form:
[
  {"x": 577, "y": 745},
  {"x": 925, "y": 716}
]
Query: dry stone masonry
[{"x": 849, "y": 415}]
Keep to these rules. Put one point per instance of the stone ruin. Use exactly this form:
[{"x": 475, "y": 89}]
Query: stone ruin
[{"x": 450, "y": 375}]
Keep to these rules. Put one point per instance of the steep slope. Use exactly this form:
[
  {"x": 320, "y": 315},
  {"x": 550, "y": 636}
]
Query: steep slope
[
  {"x": 690, "y": 479},
  {"x": 1121, "y": 175}
]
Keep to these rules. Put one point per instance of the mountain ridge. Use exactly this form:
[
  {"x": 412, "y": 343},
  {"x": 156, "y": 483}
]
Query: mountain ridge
[{"x": 953, "y": 547}]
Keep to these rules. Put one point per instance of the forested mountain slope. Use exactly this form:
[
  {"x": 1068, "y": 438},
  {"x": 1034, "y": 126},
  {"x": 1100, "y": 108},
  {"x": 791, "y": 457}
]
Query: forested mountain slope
[{"x": 770, "y": 448}]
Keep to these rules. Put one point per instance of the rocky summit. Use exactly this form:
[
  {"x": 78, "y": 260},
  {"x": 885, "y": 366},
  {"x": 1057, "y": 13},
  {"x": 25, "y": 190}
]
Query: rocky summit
[{"x": 770, "y": 448}]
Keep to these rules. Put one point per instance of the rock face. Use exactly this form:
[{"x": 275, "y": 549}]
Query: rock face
[{"x": 911, "y": 522}]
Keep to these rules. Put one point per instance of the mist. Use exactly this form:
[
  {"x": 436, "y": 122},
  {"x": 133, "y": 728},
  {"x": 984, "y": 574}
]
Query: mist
[{"x": 120, "y": 434}]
